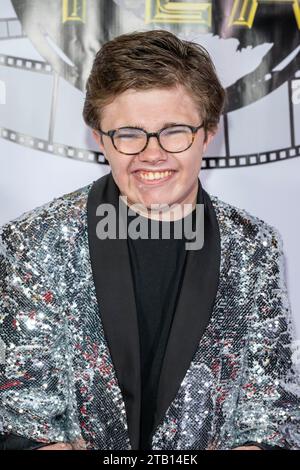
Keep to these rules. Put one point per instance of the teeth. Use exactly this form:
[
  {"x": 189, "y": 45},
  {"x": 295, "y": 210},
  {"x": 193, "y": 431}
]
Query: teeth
[{"x": 154, "y": 176}]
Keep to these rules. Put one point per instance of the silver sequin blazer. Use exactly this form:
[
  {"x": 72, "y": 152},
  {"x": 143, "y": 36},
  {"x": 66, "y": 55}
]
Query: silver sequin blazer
[{"x": 69, "y": 350}]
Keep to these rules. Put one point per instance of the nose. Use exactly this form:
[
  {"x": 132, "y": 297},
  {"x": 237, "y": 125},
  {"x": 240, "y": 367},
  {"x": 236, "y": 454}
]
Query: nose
[{"x": 153, "y": 152}]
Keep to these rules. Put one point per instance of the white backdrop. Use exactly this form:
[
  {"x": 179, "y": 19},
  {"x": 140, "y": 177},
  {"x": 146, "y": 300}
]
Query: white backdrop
[{"x": 30, "y": 177}]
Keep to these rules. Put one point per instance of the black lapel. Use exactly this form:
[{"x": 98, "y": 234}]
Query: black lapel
[
  {"x": 194, "y": 309},
  {"x": 115, "y": 295}
]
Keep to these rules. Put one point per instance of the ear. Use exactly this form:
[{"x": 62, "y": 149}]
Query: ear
[
  {"x": 99, "y": 140},
  {"x": 210, "y": 136}
]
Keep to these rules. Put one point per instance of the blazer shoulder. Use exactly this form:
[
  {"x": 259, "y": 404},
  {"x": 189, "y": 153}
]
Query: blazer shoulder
[
  {"x": 61, "y": 214},
  {"x": 242, "y": 223}
]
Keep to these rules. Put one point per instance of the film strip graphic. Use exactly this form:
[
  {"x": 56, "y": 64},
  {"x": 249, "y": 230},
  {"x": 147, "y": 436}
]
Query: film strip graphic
[
  {"x": 54, "y": 148},
  {"x": 11, "y": 28},
  {"x": 26, "y": 64},
  {"x": 97, "y": 157},
  {"x": 85, "y": 155}
]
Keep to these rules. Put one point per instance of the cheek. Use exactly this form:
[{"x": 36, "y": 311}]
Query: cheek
[
  {"x": 121, "y": 175},
  {"x": 191, "y": 164}
]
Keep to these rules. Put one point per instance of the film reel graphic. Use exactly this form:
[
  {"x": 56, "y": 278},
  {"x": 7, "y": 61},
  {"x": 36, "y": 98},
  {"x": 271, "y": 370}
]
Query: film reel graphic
[{"x": 11, "y": 28}]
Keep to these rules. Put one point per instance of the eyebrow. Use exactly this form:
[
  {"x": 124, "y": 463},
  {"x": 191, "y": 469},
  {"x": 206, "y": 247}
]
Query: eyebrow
[{"x": 165, "y": 124}]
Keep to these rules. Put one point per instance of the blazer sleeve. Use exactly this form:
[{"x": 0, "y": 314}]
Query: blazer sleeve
[
  {"x": 33, "y": 355},
  {"x": 268, "y": 406},
  {"x": 14, "y": 442}
]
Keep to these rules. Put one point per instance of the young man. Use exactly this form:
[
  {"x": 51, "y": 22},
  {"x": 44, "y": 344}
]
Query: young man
[{"x": 122, "y": 342}]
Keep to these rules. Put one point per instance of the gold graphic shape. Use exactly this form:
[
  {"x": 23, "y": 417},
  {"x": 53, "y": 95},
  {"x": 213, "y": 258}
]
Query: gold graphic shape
[
  {"x": 244, "y": 11},
  {"x": 164, "y": 11},
  {"x": 73, "y": 10}
]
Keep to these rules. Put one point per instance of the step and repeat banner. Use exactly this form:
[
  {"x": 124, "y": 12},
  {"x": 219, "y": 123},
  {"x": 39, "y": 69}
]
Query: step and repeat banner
[{"x": 46, "y": 53}]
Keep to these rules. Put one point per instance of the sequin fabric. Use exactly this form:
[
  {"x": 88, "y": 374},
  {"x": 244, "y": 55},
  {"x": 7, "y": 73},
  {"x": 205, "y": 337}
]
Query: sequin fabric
[{"x": 58, "y": 381}]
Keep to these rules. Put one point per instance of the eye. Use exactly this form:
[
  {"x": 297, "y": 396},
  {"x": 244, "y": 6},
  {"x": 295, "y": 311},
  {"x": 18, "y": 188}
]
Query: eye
[
  {"x": 126, "y": 136},
  {"x": 129, "y": 133},
  {"x": 176, "y": 130}
]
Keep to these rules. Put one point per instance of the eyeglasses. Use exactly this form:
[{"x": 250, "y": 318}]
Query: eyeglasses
[{"x": 133, "y": 140}]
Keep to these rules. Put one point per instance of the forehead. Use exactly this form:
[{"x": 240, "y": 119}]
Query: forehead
[{"x": 156, "y": 106}]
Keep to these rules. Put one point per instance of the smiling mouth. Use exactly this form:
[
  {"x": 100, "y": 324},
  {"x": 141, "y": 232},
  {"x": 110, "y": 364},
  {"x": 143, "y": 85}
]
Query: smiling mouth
[{"x": 154, "y": 176}]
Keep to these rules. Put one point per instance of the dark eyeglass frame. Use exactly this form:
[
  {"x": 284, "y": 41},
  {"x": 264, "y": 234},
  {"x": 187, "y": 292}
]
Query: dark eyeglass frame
[{"x": 112, "y": 132}]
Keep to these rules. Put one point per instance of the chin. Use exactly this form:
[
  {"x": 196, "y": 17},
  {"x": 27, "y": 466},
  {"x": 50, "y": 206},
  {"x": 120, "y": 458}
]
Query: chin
[{"x": 160, "y": 201}]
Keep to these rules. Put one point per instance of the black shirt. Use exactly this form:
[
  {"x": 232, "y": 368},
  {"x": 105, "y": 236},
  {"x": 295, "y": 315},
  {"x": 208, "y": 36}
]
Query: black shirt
[{"x": 157, "y": 269}]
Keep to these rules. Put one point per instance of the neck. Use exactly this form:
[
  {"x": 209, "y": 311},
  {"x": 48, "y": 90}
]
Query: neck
[{"x": 164, "y": 212}]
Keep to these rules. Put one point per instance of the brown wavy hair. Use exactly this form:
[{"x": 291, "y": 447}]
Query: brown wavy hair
[{"x": 153, "y": 59}]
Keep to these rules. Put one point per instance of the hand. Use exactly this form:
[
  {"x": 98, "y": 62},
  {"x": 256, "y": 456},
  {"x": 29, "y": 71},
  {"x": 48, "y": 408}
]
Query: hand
[
  {"x": 78, "y": 444},
  {"x": 247, "y": 448},
  {"x": 58, "y": 446}
]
